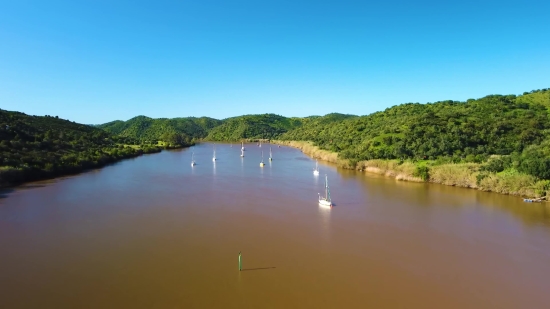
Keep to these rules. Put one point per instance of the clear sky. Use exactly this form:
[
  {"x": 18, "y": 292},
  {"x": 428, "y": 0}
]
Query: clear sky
[{"x": 98, "y": 61}]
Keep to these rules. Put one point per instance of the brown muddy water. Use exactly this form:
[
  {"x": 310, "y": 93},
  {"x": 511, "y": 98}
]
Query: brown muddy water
[{"x": 154, "y": 232}]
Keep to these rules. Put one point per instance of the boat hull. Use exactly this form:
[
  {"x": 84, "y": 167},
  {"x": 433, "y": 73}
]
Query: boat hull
[{"x": 325, "y": 203}]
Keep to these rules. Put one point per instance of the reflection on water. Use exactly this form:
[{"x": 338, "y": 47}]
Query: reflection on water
[
  {"x": 435, "y": 195},
  {"x": 315, "y": 178},
  {"x": 150, "y": 233},
  {"x": 324, "y": 216},
  {"x": 262, "y": 170}
]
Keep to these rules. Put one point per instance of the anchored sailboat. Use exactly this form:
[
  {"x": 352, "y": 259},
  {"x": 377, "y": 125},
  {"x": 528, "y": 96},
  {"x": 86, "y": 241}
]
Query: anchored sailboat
[
  {"x": 325, "y": 201},
  {"x": 214, "y": 157},
  {"x": 242, "y": 153},
  {"x": 316, "y": 170},
  {"x": 270, "y": 155},
  {"x": 262, "y": 163},
  {"x": 192, "y": 159}
]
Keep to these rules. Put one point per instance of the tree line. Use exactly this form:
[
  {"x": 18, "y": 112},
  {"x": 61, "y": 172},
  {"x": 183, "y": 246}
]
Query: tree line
[
  {"x": 502, "y": 132},
  {"x": 34, "y": 147}
]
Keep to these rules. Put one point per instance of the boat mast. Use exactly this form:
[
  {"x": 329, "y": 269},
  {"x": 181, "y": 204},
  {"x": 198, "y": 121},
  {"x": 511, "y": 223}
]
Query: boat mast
[{"x": 326, "y": 188}]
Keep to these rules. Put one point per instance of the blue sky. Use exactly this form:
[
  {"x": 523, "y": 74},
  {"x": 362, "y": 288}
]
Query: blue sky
[{"x": 97, "y": 61}]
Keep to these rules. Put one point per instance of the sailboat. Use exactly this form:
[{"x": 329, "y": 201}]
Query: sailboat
[
  {"x": 270, "y": 155},
  {"x": 260, "y": 143},
  {"x": 242, "y": 147},
  {"x": 192, "y": 159},
  {"x": 262, "y": 163},
  {"x": 242, "y": 153},
  {"x": 316, "y": 170},
  {"x": 325, "y": 201},
  {"x": 214, "y": 157}
]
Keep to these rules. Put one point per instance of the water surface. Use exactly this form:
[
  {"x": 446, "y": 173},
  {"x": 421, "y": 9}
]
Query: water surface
[{"x": 154, "y": 232}]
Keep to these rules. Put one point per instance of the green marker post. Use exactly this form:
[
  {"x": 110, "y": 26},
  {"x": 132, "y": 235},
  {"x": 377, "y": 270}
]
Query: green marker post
[{"x": 240, "y": 262}]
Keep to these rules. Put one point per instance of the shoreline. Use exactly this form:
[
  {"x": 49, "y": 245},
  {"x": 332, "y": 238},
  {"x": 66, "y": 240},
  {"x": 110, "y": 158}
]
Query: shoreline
[
  {"x": 23, "y": 176},
  {"x": 466, "y": 175}
]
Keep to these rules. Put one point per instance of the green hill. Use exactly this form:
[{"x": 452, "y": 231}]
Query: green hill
[
  {"x": 471, "y": 131},
  {"x": 540, "y": 96},
  {"x": 34, "y": 147},
  {"x": 175, "y": 130},
  {"x": 266, "y": 126},
  {"x": 504, "y": 133},
  {"x": 494, "y": 124}
]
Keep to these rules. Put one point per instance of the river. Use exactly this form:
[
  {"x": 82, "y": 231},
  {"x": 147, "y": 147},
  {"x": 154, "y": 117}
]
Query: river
[{"x": 154, "y": 232}]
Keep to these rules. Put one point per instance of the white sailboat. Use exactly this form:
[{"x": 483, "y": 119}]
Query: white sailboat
[
  {"x": 260, "y": 143},
  {"x": 242, "y": 147},
  {"x": 242, "y": 153},
  {"x": 325, "y": 201},
  {"x": 262, "y": 163},
  {"x": 316, "y": 170},
  {"x": 270, "y": 155},
  {"x": 192, "y": 159},
  {"x": 214, "y": 157}
]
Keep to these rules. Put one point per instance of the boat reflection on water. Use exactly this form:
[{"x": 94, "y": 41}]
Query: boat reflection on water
[
  {"x": 324, "y": 221},
  {"x": 214, "y": 168}
]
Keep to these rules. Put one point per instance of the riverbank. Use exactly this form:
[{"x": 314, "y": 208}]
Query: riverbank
[
  {"x": 14, "y": 176},
  {"x": 467, "y": 175}
]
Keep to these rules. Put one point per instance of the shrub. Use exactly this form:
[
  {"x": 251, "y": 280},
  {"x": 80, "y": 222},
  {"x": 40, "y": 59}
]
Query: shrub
[{"x": 423, "y": 172}]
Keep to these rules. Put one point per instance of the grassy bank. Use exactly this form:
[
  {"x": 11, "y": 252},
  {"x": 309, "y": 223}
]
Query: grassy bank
[{"x": 467, "y": 175}]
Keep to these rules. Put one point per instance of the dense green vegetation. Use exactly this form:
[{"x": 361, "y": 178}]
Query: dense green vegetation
[
  {"x": 498, "y": 141},
  {"x": 181, "y": 131},
  {"x": 504, "y": 132},
  {"x": 490, "y": 125},
  {"x": 514, "y": 128},
  {"x": 266, "y": 126},
  {"x": 185, "y": 131},
  {"x": 33, "y": 147}
]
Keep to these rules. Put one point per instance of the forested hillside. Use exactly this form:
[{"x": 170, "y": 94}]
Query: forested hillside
[
  {"x": 33, "y": 147},
  {"x": 501, "y": 133},
  {"x": 266, "y": 126},
  {"x": 459, "y": 131},
  {"x": 490, "y": 125},
  {"x": 182, "y": 131},
  {"x": 187, "y": 130}
]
